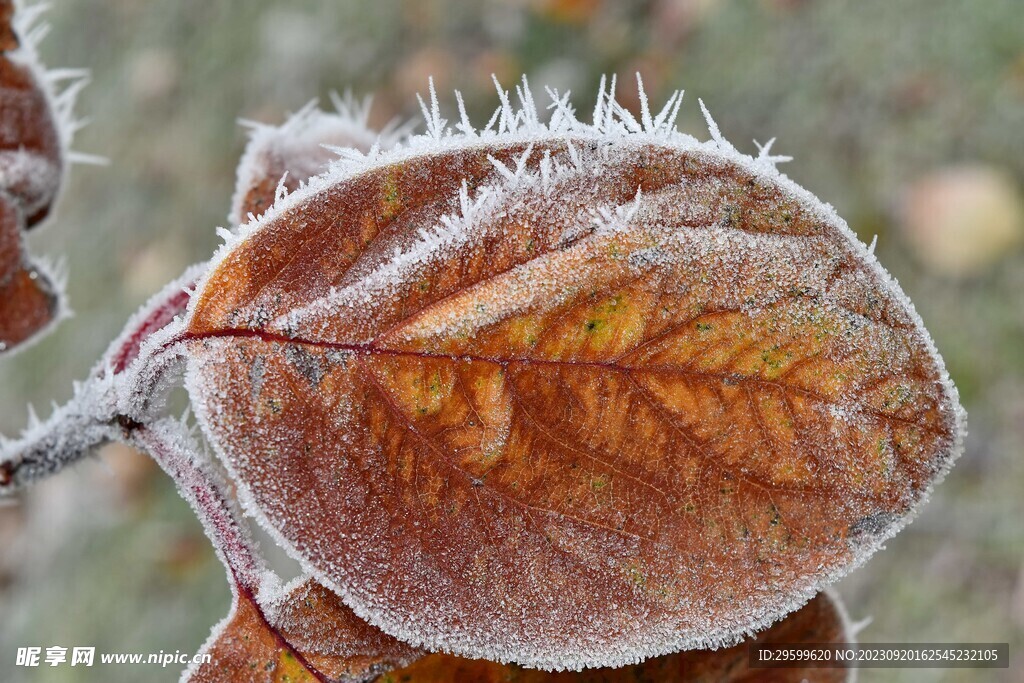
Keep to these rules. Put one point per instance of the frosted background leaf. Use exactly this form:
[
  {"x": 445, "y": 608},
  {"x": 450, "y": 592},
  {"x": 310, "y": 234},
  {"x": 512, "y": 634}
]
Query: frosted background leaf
[
  {"x": 36, "y": 127},
  {"x": 566, "y": 395},
  {"x": 281, "y": 158},
  {"x": 304, "y": 624}
]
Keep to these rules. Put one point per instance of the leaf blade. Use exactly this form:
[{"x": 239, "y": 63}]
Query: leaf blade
[{"x": 756, "y": 405}]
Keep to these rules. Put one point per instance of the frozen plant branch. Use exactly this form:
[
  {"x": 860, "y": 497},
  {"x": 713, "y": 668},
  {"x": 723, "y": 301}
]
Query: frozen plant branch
[
  {"x": 124, "y": 390},
  {"x": 169, "y": 443},
  {"x": 73, "y": 430}
]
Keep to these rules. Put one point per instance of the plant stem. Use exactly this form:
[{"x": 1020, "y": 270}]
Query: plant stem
[
  {"x": 118, "y": 395},
  {"x": 168, "y": 442},
  {"x": 44, "y": 449}
]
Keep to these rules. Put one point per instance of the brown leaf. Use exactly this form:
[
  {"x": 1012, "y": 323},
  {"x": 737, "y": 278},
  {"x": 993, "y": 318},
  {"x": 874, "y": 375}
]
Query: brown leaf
[
  {"x": 8, "y": 38},
  {"x": 292, "y": 153},
  {"x": 308, "y": 635},
  {"x": 30, "y": 171},
  {"x": 819, "y": 622},
  {"x": 558, "y": 422},
  {"x": 28, "y": 301},
  {"x": 30, "y": 154}
]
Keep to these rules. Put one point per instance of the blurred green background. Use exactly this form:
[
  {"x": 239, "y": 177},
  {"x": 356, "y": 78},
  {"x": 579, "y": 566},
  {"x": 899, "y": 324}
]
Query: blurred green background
[{"x": 907, "y": 116}]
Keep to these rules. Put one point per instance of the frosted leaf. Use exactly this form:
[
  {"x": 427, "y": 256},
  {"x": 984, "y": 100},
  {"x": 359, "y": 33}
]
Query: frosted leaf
[
  {"x": 280, "y": 158},
  {"x": 304, "y": 634},
  {"x": 567, "y": 395},
  {"x": 29, "y": 300},
  {"x": 821, "y": 621},
  {"x": 35, "y": 131}
]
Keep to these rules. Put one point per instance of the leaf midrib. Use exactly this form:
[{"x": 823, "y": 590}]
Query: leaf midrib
[{"x": 374, "y": 350}]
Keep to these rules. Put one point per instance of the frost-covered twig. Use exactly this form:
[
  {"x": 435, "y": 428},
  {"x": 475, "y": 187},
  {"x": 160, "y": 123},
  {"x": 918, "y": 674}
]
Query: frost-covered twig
[
  {"x": 170, "y": 444},
  {"x": 124, "y": 390},
  {"x": 45, "y": 448}
]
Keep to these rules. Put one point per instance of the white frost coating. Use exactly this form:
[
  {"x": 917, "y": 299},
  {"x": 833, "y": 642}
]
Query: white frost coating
[
  {"x": 307, "y": 142},
  {"x": 610, "y": 220},
  {"x": 612, "y": 127},
  {"x": 764, "y": 153}
]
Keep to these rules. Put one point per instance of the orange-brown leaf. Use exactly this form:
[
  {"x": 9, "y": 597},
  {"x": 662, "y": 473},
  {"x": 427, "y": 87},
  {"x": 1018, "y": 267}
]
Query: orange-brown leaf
[
  {"x": 551, "y": 419},
  {"x": 309, "y": 636},
  {"x": 290, "y": 154}
]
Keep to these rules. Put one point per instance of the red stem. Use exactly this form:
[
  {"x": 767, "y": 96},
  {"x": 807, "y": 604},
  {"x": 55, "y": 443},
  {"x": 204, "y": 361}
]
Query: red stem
[
  {"x": 207, "y": 496},
  {"x": 160, "y": 316},
  {"x": 167, "y": 443}
]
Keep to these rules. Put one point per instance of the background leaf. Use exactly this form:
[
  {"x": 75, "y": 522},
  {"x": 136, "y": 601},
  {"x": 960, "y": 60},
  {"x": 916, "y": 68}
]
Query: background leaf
[
  {"x": 306, "y": 634},
  {"x": 28, "y": 302},
  {"x": 289, "y": 154},
  {"x": 31, "y": 165}
]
